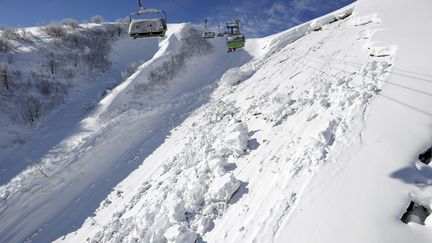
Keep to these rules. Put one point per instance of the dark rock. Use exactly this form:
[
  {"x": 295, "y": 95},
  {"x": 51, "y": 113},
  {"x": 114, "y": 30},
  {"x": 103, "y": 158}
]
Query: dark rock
[
  {"x": 425, "y": 157},
  {"x": 416, "y": 213}
]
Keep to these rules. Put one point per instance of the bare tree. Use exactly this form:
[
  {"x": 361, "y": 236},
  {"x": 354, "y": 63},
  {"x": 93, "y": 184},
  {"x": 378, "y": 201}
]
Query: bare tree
[
  {"x": 46, "y": 88},
  {"x": 12, "y": 34},
  {"x": 74, "y": 40},
  {"x": 73, "y": 58},
  {"x": 24, "y": 34},
  {"x": 71, "y": 23},
  {"x": 97, "y": 19},
  {"x": 115, "y": 30},
  {"x": 5, "y": 76},
  {"x": 31, "y": 109},
  {"x": 69, "y": 73},
  {"x": 54, "y": 30},
  {"x": 123, "y": 21},
  {"x": 6, "y": 48},
  {"x": 52, "y": 62},
  {"x": 99, "y": 44}
]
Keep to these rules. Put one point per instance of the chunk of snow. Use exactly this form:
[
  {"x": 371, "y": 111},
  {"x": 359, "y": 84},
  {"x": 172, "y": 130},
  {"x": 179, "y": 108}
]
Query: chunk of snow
[
  {"x": 180, "y": 234},
  {"x": 238, "y": 74},
  {"x": 177, "y": 213},
  {"x": 367, "y": 19},
  {"x": 236, "y": 140},
  {"x": 223, "y": 188},
  {"x": 204, "y": 225},
  {"x": 382, "y": 51}
]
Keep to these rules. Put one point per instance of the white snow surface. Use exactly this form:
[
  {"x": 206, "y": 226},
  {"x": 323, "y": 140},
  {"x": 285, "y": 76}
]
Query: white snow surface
[{"x": 309, "y": 135}]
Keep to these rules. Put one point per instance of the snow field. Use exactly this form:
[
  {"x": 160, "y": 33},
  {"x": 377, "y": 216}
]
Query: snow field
[
  {"x": 304, "y": 136},
  {"x": 305, "y": 114},
  {"x": 123, "y": 129},
  {"x": 236, "y": 169}
]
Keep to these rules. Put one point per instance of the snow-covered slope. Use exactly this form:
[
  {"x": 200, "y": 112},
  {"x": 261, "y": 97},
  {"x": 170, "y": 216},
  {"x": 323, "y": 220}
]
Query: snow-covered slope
[
  {"x": 23, "y": 144},
  {"x": 302, "y": 136},
  {"x": 363, "y": 200},
  {"x": 240, "y": 166},
  {"x": 54, "y": 196}
]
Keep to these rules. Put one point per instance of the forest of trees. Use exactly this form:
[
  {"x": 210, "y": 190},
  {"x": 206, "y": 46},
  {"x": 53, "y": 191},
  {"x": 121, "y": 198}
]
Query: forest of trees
[{"x": 72, "y": 51}]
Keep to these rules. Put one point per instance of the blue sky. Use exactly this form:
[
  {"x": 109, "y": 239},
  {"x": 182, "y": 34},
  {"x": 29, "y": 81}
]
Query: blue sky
[{"x": 259, "y": 17}]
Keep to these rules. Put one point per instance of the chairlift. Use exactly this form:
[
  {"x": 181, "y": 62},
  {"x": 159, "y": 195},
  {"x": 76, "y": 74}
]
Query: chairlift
[
  {"x": 207, "y": 34},
  {"x": 235, "y": 39},
  {"x": 147, "y": 27},
  {"x": 220, "y": 33}
]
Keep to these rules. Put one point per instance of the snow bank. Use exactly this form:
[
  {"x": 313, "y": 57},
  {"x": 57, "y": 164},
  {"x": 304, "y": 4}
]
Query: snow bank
[
  {"x": 223, "y": 188},
  {"x": 238, "y": 74},
  {"x": 367, "y": 19}
]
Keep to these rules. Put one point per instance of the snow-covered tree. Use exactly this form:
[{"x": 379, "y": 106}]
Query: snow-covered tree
[
  {"x": 97, "y": 19},
  {"x": 73, "y": 58},
  {"x": 5, "y": 78},
  {"x": 71, "y": 23},
  {"x": 6, "y": 47},
  {"x": 115, "y": 30},
  {"x": 53, "y": 62},
  {"x": 31, "y": 109},
  {"x": 54, "y": 30},
  {"x": 99, "y": 45}
]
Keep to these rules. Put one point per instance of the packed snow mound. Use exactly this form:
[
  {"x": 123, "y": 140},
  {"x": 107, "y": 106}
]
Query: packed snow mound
[
  {"x": 237, "y": 74},
  {"x": 235, "y": 169}
]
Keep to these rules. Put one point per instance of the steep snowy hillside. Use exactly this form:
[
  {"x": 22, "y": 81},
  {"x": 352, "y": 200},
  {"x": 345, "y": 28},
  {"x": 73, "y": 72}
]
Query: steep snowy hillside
[
  {"x": 364, "y": 200},
  {"x": 57, "y": 102},
  {"x": 73, "y": 176},
  {"x": 276, "y": 132},
  {"x": 309, "y": 135}
]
